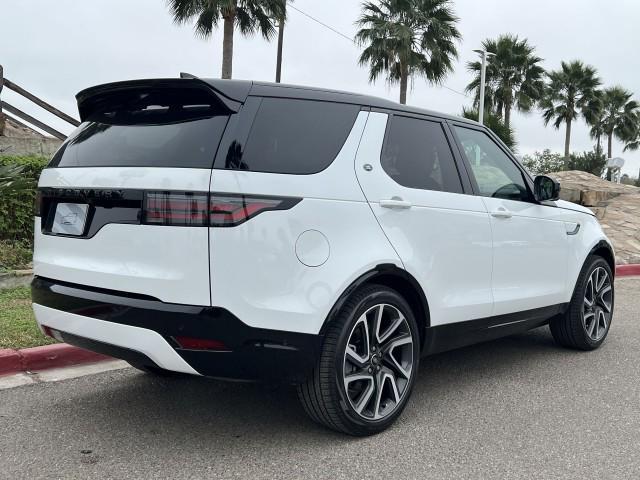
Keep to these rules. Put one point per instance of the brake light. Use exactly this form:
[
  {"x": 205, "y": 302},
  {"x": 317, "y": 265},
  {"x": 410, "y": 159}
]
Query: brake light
[
  {"x": 176, "y": 208},
  {"x": 231, "y": 210},
  {"x": 202, "y": 209}
]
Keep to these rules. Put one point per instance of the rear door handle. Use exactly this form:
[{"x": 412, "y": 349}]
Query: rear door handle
[
  {"x": 501, "y": 213},
  {"x": 395, "y": 202}
]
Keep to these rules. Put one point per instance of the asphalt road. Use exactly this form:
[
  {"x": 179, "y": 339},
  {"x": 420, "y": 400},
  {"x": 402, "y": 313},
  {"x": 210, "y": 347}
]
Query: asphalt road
[{"x": 513, "y": 408}]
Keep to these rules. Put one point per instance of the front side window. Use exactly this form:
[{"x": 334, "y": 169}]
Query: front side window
[
  {"x": 417, "y": 155},
  {"x": 495, "y": 173}
]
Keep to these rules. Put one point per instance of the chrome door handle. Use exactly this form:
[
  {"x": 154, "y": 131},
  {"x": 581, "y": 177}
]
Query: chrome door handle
[
  {"x": 501, "y": 213},
  {"x": 395, "y": 202}
]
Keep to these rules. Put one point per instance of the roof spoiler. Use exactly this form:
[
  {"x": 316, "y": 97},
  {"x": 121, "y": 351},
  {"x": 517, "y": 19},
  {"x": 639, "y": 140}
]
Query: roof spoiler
[{"x": 230, "y": 95}]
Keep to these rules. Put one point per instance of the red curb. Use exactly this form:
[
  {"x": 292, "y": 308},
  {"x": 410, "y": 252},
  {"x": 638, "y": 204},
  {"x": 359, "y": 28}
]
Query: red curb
[
  {"x": 627, "y": 270},
  {"x": 48, "y": 356},
  {"x": 10, "y": 362}
]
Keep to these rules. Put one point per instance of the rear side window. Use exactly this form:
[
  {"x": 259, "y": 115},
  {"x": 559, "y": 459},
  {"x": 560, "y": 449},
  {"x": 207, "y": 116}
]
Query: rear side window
[
  {"x": 295, "y": 136},
  {"x": 417, "y": 155},
  {"x": 149, "y": 129}
]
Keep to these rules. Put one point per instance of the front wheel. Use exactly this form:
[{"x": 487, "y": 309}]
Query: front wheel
[
  {"x": 586, "y": 322},
  {"x": 367, "y": 366}
]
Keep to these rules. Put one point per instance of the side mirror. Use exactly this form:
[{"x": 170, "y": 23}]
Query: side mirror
[{"x": 546, "y": 189}]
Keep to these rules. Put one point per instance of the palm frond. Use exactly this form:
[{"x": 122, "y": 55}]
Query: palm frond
[{"x": 418, "y": 36}]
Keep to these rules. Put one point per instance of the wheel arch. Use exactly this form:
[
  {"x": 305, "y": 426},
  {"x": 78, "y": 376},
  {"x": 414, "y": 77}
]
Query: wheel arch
[
  {"x": 605, "y": 250},
  {"x": 399, "y": 280}
]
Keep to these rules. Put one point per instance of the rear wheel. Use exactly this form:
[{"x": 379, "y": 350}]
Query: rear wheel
[
  {"x": 586, "y": 322},
  {"x": 367, "y": 366}
]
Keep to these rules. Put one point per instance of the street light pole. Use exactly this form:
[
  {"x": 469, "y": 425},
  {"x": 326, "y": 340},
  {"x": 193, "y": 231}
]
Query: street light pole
[{"x": 483, "y": 78}]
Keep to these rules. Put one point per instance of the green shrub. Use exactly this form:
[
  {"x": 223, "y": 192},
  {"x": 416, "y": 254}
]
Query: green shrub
[
  {"x": 16, "y": 208},
  {"x": 591, "y": 162},
  {"x": 15, "y": 254},
  {"x": 544, "y": 162}
]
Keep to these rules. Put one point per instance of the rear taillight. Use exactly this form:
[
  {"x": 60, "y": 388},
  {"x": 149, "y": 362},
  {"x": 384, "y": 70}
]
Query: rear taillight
[
  {"x": 231, "y": 210},
  {"x": 202, "y": 209},
  {"x": 176, "y": 208}
]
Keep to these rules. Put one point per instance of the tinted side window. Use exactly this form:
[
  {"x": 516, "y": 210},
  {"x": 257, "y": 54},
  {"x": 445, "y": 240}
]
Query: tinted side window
[
  {"x": 295, "y": 136},
  {"x": 417, "y": 155},
  {"x": 495, "y": 173}
]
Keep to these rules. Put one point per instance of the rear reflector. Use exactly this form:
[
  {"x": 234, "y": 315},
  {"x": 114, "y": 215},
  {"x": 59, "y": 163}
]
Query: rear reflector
[
  {"x": 202, "y": 209},
  {"x": 190, "y": 343}
]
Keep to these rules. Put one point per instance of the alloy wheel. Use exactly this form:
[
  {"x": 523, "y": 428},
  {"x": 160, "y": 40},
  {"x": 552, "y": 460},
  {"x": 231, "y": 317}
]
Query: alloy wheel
[
  {"x": 597, "y": 305},
  {"x": 378, "y": 362}
]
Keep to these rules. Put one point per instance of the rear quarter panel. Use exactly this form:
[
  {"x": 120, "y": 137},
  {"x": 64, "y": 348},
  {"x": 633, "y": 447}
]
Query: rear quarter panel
[{"x": 255, "y": 271}]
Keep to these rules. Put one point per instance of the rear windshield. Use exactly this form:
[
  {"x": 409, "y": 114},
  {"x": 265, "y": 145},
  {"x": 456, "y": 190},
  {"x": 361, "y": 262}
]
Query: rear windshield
[
  {"x": 294, "y": 136},
  {"x": 148, "y": 131}
]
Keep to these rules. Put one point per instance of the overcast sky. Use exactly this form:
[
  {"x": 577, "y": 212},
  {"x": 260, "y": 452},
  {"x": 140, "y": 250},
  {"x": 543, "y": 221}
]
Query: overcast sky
[{"x": 56, "y": 48}]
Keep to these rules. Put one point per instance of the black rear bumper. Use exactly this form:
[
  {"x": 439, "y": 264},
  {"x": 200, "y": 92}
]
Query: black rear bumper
[{"x": 251, "y": 353}]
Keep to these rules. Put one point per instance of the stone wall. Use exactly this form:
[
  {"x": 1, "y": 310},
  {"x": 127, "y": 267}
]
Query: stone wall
[{"x": 41, "y": 146}]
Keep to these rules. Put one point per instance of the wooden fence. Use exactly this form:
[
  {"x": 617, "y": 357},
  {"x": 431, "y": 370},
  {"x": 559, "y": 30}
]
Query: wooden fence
[{"x": 18, "y": 116}]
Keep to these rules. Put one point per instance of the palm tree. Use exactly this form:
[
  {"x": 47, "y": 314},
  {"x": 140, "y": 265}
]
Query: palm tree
[
  {"x": 633, "y": 142},
  {"x": 619, "y": 116},
  {"x": 514, "y": 76},
  {"x": 495, "y": 124},
  {"x": 594, "y": 116},
  {"x": 12, "y": 179},
  {"x": 570, "y": 92},
  {"x": 249, "y": 16},
  {"x": 405, "y": 38}
]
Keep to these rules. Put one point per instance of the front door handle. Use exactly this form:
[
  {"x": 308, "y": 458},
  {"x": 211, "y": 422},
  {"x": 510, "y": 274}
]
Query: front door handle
[
  {"x": 395, "y": 202},
  {"x": 501, "y": 213}
]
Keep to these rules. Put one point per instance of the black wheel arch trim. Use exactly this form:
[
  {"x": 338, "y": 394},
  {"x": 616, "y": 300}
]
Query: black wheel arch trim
[
  {"x": 610, "y": 257},
  {"x": 384, "y": 272}
]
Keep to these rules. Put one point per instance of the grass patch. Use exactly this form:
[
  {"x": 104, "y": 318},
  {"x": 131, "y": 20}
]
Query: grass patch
[{"x": 18, "y": 328}]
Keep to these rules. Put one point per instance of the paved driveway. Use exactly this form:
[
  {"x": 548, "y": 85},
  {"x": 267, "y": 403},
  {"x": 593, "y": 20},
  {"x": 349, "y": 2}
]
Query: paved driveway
[{"x": 514, "y": 408}]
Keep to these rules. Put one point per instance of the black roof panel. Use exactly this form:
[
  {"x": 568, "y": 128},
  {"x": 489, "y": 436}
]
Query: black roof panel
[
  {"x": 238, "y": 90},
  {"x": 267, "y": 89}
]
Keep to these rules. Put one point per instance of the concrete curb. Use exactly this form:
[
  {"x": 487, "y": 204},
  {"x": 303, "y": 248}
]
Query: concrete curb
[
  {"x": 627, "y": 270},
  {"x": 48, "y": 356},
  {"x": 17, "y": 278}
]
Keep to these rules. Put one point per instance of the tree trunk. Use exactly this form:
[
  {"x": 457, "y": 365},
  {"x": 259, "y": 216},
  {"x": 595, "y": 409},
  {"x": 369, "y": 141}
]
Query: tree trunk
[
  {"x": 227, "y": 45},
  {"x": 404, "y": 80},
  {"x": 567, "y": 141},
  {"x": 507, "y": 115},
  {"x": 609, "y": 144},
  {"x": 279, "y": 58},
  {"x": 598, "y": 144}
]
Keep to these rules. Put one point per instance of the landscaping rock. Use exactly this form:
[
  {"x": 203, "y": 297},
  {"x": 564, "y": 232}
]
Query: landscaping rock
[{"x": 616, "y": 206}]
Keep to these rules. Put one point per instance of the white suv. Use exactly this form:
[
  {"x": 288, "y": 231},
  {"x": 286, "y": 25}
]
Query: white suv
[{"x": 263, "y": 232}]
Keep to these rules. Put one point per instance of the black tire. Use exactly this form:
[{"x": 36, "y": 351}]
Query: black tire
[
  {"x": 570, "y": 329},
  {"x": 324, "y": 395}
]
